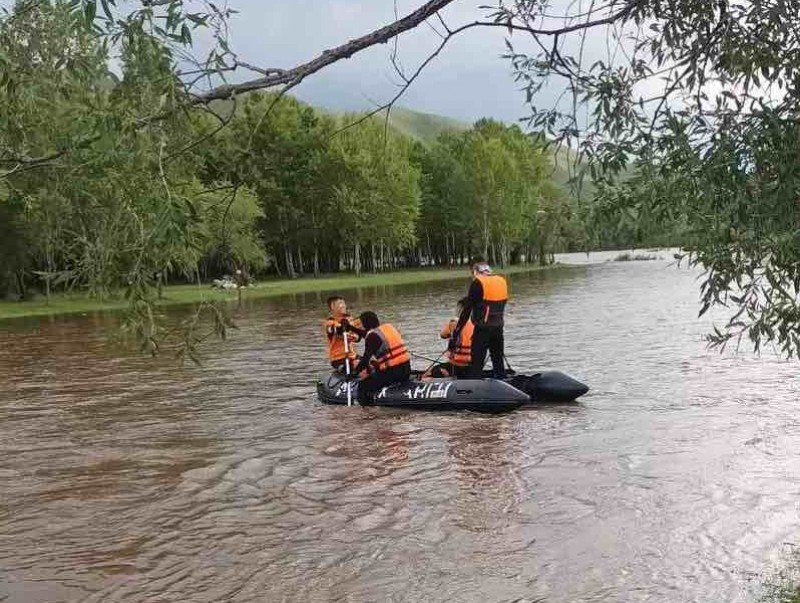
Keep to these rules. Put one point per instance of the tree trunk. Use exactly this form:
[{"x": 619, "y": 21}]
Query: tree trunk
[
  {"x": 49, "y": 269},
  {"x": 287, "y": 254},
  {"x": 485, "y": 232},
  {"x": 315, "y": 230},
  {"x": 20, "y": 274},
  {"x": 300, "y": 260},
  {"x": 430, "y": 255},
  {"x": 357, "y": 259}
]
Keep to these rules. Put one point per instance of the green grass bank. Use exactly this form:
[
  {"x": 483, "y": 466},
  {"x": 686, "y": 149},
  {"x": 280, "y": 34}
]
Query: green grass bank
[{"x": 188, "y": 294}]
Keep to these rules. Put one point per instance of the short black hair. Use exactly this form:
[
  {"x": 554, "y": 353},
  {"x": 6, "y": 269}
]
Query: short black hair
[
  {"x": 334, "y": 298},
  {"x": 369, "y": 320}
]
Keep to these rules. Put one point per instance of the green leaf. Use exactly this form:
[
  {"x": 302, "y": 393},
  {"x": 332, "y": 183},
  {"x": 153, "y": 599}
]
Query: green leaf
[
  {"x": 106, "y": 9},
  {"x": 89, "y": 11}
]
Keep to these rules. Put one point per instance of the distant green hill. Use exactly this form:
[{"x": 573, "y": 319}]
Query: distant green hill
[
  {"x": 566, "y": 165},
  {"x": 424, "y": 127}
]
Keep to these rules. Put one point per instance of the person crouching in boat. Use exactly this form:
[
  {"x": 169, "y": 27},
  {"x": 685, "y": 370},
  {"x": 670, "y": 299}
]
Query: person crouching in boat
[
  {"x": 386, "y": 359},
  {"x": 335, "y": 333},
  {"x": 459, "y": 353}
]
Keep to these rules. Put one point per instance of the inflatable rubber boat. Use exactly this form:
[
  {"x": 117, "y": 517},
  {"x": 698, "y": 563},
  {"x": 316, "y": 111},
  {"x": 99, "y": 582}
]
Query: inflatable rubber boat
[
  {"x": 481, "y": 395},
  {"x": 548, "y": 386}
]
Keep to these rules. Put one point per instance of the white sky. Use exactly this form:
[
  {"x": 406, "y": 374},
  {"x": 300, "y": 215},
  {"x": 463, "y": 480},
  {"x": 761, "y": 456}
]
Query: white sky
[{"x": 467, "y": 81}]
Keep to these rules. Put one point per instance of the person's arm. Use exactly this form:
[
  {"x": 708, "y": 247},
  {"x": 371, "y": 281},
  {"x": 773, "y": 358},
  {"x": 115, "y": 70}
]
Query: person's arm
[
  {"x": 474, "y": 296},
  {"x": 354, "y": 326},
  {"x": 447, "y": 330},
  {"x": 331, "y": 330},
  {"x": 371, "y": 344},
  {"x": 356, "y": 333}
]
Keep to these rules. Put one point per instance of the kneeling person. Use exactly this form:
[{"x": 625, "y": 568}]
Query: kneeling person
[
  {"x": 386, "y": 357},
  {"x": 459, "y": 346}
]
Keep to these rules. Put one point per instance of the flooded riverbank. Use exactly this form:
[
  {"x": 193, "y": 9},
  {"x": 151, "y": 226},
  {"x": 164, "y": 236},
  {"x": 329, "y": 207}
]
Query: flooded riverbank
[{"x": 130, "y": 479}]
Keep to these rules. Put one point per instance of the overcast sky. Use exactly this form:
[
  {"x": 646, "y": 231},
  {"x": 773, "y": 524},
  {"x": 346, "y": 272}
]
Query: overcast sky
[{"x": 467, "y": 81}]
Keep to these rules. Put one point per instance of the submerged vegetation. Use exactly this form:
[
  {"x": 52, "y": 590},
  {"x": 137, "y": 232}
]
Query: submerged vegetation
[{"x": 635, "y": 257}]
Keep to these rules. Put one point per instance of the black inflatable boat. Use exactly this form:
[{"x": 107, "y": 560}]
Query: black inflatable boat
[
  {"x": 548, "y": 386},
  {"x": 482, "y": 395}
]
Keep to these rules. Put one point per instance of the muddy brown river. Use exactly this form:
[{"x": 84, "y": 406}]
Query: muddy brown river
[{"x": 125, "y": 479}]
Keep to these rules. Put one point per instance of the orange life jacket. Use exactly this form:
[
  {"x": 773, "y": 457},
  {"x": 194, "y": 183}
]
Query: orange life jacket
[
  {"x": 336, "y": 342},
  {"x": 393, "y": 351},
  {"x": 461, "y": 355},
  {"x": 495, "y": 295}
]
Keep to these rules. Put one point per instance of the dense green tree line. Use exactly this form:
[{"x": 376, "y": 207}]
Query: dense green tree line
[
  {"x": 351, "y": 193},
  {"x": 103, "y": 183},
  {"x": 148, "y": 194},
  {"x": 97, "y": 196}
]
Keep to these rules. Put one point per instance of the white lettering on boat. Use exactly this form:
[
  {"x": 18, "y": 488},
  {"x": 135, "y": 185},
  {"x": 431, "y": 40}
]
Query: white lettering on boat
[
  {"x": 440, "y": 391},
  {"x": 423, "y": 391},
  {"x": 428, "y": 391}
]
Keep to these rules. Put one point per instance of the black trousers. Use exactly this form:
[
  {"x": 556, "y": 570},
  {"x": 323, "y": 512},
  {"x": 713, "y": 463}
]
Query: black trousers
[
  {"x": 375, "y": 381},
  {"x": 445, "y": 369},
  {"x": 487, "y": 338}
]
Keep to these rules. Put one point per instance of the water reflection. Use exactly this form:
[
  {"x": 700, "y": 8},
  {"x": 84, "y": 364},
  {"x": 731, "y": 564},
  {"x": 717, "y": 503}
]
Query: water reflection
[{"x": 483, "y": 454}]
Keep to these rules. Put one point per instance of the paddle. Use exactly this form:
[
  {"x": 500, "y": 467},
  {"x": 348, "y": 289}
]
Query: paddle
[
  {"x": 431, "y": 360},
  {"x": 421, "y": 357},
  {"x": 435, "y": 361},
  {"x": 347, "y": 365}
]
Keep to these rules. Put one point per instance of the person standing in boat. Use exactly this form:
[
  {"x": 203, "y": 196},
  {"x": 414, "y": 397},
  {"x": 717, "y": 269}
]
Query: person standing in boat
[
  {"x": 459, "y": 352},
  {"x": 385, "y": 360},
  {"x": 485, "y": 306},
  {"x": 335, "y": 334}
]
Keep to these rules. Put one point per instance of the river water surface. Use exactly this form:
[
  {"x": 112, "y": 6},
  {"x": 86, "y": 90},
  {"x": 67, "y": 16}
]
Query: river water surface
[{"x": 675, "y": 479}]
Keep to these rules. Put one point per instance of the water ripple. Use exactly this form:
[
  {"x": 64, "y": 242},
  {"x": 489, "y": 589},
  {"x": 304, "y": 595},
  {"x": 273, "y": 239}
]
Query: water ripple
[{"x": 124, "y": 479}]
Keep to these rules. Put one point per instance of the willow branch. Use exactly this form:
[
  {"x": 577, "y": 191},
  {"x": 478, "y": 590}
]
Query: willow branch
[
  {"x": 407, "y": 81},
  {"x": 345, "y": 51}
]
